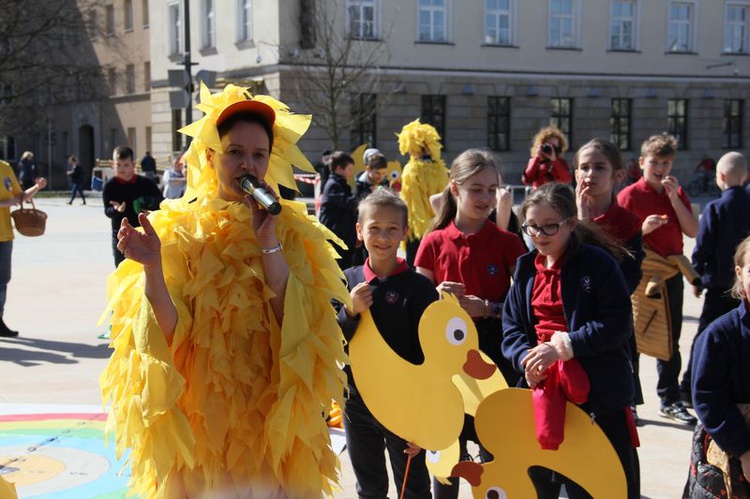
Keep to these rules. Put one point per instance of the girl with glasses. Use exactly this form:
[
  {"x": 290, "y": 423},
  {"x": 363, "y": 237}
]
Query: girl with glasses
[
  {"x": 566, "y": 325},
  {"x": 467, "y": 255}
]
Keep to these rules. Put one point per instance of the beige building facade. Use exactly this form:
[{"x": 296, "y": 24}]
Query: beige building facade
[{"x": 487, "y": 73}]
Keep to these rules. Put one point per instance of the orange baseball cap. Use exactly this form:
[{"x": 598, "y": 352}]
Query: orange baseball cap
[{"x": 260, "y": 109}]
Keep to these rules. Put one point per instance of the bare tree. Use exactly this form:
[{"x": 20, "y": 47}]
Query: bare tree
[
  {"x": 47, "y": 58},
  {"x": 336, "y": 79}
]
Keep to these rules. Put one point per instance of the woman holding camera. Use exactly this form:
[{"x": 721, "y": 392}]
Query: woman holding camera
[{"x": 546, "y": 163}]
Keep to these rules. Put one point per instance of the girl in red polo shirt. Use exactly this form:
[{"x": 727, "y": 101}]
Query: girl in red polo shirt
[
  {"x": 599, "y": 168},
  {"x": 467, "y": 255}
]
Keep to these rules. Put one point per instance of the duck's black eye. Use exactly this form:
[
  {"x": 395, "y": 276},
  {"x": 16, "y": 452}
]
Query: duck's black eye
[
  {"x": 495, "y": 493},
  {"x": 455, "y": 331}
]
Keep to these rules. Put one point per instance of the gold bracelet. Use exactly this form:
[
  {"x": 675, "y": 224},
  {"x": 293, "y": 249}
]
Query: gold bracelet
[{"x": 269, "y": 251}]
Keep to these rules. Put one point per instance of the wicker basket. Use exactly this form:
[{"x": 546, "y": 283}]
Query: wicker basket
[{"x": 29, "y": 221}]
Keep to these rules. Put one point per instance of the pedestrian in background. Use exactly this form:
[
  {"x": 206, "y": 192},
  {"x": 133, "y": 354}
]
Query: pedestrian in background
[
  {"x": 28, "y": 170},
  {"x": 148, "y": 166},
  {"x": 75, "y": 178}
]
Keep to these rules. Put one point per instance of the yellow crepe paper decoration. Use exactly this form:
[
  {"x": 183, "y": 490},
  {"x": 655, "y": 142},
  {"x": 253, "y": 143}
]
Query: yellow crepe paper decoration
[
  {"x": 236, "y": 402},
  {"x": 505, "y": 426},
  {"x": 420, "y": 403},
  {"x": 415, "y": 138}
]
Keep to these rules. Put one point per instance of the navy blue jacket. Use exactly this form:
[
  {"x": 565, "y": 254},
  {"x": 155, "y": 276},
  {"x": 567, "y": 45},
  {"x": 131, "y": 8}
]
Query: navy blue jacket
[
  {"x": 721, "y": 379},
  {"x": 598, "y": 312},
  {"x": 723, "y": 224},
  {"x": 338, "y": 209},
  {"x": 398, "y": 302}
]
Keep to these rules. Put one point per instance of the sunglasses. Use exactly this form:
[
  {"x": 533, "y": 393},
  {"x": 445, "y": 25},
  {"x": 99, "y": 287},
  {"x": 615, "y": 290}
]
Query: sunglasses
[{"x": 546, "y": 229}]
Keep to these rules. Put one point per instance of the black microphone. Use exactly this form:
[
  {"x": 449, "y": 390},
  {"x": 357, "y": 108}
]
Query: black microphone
[{"x": 250, "y": 184}]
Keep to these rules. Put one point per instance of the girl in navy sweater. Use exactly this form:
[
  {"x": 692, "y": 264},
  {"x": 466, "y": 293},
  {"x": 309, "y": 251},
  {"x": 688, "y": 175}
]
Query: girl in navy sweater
[{"x": 569, "y": 309}]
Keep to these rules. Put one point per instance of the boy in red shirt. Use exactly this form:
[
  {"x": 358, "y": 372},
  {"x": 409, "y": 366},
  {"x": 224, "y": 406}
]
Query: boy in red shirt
[{"x": 660, "y": 202}]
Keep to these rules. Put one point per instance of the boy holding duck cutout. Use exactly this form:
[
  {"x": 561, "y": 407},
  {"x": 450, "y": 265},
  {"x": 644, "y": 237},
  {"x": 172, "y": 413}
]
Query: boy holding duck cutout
[{"x": 396, "y": 297}]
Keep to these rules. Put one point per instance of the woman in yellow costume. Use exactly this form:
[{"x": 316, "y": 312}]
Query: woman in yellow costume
[
  {"x": 225, "y": 343},
  {"x": 424, "y": 175}
]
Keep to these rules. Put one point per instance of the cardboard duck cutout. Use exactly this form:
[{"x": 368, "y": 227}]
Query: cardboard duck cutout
[
  {"x": 359, "y": 164},
  {"x": 505, "y": 426},
  {"x": 420, "y": 403},
  {"x": 393, "y": 174}
]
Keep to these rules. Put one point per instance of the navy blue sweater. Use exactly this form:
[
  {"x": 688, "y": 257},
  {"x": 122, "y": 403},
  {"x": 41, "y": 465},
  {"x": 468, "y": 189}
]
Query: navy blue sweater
[
  {"x": 721, "y": 379},
  {"x": 338, "y": 209},
  {"x": 398, "y": 302},
  {"x": 723, "y": 224},
  {"x": 598, "y": 312}
]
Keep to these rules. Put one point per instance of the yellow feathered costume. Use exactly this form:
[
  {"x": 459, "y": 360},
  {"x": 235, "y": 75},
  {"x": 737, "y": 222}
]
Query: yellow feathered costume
[
  {"x": 421, "y": 177},
  {"x": 234, "y": 406}
]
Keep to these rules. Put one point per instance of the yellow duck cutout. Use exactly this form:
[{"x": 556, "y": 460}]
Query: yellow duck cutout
[
  {"x": 505, "y": 426},
  {"x": 359, "y": 164},
  {"x": 393, "y": 174},
  {"x": 7, "y": 490},
  {"x": 440, "y": 463},
  {"x": 420, "y": 403}
]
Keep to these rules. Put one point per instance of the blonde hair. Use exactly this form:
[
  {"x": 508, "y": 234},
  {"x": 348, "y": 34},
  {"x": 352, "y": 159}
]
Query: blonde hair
[
  {"x": 743, "y": 248},
  {"x": 544, "y": 135},
  {"x": 663, "y": 145},
  {"x": 27, "y": 155},
  {"x": 380, "y": 199}
]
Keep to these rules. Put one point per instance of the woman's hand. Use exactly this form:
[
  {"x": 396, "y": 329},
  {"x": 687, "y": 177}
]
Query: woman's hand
[
  {"x": 457, "y": 289},
  {"x": 653, "y": 222},
  {"x": 474, "y": 306},
  {"x": 142, "y": 247},
  {"x": 361, "y": 298},
  {"x": 264, "y": 224}
]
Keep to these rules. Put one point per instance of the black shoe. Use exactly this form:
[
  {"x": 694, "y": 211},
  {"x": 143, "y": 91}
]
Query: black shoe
[
  {"x": 638, "y": 421},
  {"x": 5, "y": 331},
  {"x": 677, "y": 412},
  {"x": 686, "y": 398}
]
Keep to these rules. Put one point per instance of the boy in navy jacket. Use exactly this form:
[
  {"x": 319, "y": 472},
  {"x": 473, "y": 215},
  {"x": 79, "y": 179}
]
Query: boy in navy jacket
[
  {"x": 338, "y": 208},
  {"x": 396, "y": 296}
]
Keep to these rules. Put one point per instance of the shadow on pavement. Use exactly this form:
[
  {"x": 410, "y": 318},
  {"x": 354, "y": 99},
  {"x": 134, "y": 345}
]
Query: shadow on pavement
[{"x": 46, "y": 349}]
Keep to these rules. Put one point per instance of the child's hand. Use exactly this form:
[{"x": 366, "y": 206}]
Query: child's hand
[
  {"x": 653, "y": 222},
  {"x": 697, "y": 291},
  {"x": 745, "y": 461},
  {"x": 538, "y": 361},
  {"x": 361, "y": 298},
  {"x": 503, "y": 197},
  {"x": 119, "y": 207},
  {"x": 583, "y": 196},
  {"x": 457, "y": 289},
  {"x": 671, "y": 184},
  {"x": 412, "y": 449},
  {"x": 474, "y": 306}
]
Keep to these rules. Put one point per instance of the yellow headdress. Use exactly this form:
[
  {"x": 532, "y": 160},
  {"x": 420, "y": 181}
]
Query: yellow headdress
[
  {"x": 417, "y": 136},
  {"x": 288, "y": 128}
]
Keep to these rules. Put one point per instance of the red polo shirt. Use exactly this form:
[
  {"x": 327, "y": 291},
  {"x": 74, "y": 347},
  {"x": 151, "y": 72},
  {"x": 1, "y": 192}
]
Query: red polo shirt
[
  {"x": 642, "y": 200},
  {"x": 481, "y": 261},
  {"x": 619, "y": 223},
  {"x": 546, "y": 300}
]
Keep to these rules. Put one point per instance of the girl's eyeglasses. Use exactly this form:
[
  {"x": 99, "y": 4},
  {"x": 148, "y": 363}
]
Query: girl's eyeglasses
[{"x": 546, "y": 229}]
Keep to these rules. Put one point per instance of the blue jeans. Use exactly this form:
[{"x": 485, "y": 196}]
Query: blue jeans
[
  {"x": 77, "y": 187},
  {"x": 366, "y": 442},
  {"x": 6, "y": 249}
]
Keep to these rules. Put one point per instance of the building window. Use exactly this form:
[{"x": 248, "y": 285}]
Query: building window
[
  {"x": 175, "y": 27},
  {"x": 112, "y": 81},
  {"x": 619, "y": 123},
  {"x": 736, "y": 28},
  {"x": 146, "y": 76},
  {"x": 362, "y": 19},
  {"x": 144, "y": 12},
  {"x": 433, "y": 21},
  {"x": 109, "y": 28},
  {"x": 93, "y": 23},
  {"x": 209, "y": 25},
  {"x": 622, "y": 26},
  {"x": 498, "y": 123},
  {"x": 176, "y": 125},
  {"x": 498, "y": 22},
  {"x": 364, "y": 118},
  {"x": 732, "y": 131},
  {"x": 128, "y": 7},
  {"x": 680, "y": 30},
  {"x": 244, "y": 20},
  {"x": 561, "y": 115},
  {"x": 130, "y": 79},
  {"x": 562, "y": 23},
  {"x": 131, "y": 139},
  {"x": 433, "y": 112},
  {"x": 677, "y": 120}
]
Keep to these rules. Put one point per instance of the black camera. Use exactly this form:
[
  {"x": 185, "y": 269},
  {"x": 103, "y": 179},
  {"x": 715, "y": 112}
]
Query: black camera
[{"x": 547, "y": 148}]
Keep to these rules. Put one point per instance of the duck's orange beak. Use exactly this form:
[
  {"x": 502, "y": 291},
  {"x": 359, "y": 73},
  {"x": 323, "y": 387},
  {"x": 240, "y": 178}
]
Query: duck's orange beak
[
  {"x": 469, "y": 471},
  {"x": 476, "y": 367}
]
